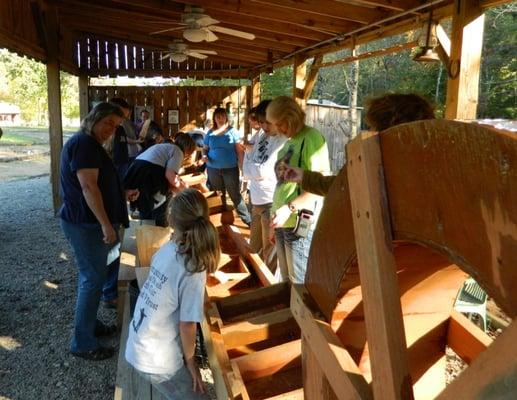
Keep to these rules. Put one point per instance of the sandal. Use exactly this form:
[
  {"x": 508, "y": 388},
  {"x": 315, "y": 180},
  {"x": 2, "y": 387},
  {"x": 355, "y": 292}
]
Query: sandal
[
  {"x": 99, "y": 354},
  {"x": 104, "y": 330}
]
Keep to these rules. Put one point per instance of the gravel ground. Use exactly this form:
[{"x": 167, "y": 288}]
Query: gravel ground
[{"x": 37, "y": 297}]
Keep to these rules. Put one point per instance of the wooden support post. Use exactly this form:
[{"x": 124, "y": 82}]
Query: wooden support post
[
  {"x": 299, "y": 71},
  {"x": 341, "y": 372},
  {"x": 255, "y": 91},
  {"x": 83, "y": 96},
  {"x": 252, "y": 100},
  {"x": 311, "y": 78},
  {"x": 465, "y": 60},
  {"x": 54, "y": 102},
  {"x": 377, "y": 270}
]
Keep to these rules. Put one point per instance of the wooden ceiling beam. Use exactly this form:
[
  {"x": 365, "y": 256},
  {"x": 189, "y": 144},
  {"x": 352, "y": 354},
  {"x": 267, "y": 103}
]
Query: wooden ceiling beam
[
  {"x": 75, "y": 16},
  {"x": 217, "y": 9},
  {"x": 232, "y": 10},
  {"x": 218, "y": 73},
  {"x": 276, "y": 33},
  {"x": 397, "y": 5},
  {"x": 328, "y": 8},
  {"x": 246, "y": 18},
  {"x": 366, "y": 36}
]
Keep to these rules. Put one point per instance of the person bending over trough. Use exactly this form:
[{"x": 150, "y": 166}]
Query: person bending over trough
[
  {"x": 155, "y": 174},
  {"x": 162, "y": 334},
  {"x": 382, "y": 113}
]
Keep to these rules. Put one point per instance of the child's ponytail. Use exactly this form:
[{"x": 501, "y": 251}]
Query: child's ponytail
[{"x": 196, "y": 236}]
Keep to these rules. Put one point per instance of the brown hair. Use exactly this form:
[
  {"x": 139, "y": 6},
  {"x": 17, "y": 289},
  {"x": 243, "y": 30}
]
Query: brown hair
[
  {"x": 185, "y": 142},
  {"x": 218, "y": 111},
  {"x": 396, "y": 108},
  {"x": 195, "y": 235},
  {"x": 285, "y": 109}
]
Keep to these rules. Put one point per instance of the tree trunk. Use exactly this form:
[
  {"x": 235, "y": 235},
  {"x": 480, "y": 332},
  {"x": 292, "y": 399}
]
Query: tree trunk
[{"x": 353, "y": 87}]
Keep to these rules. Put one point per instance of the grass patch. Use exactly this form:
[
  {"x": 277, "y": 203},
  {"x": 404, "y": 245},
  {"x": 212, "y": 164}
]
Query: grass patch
[
  {"x": 28, "y": 136},
  {"x": 19, "y": 140}
]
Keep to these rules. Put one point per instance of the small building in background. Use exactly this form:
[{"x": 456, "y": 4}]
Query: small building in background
[{"x": 9, "y": 114}]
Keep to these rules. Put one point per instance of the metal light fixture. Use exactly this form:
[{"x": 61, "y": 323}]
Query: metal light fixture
[
  {"x": 426, "y": 53},
  {"x": 178, "y": 57},
  {"x": 194, "y": 35}
]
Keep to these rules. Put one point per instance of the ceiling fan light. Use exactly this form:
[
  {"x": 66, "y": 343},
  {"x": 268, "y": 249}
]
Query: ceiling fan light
[
  {"x": 178, "y": 57},
  {"x": 194, "y": 35}
]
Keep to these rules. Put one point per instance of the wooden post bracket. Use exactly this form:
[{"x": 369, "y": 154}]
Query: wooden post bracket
[
  {"x": 334, "y": 360},
  {"x": 377, "y": 270}
]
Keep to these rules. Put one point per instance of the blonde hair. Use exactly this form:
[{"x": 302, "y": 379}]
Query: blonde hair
[
  {"x": 285, "y": 109},
  {"x": 195, "y": 235}
]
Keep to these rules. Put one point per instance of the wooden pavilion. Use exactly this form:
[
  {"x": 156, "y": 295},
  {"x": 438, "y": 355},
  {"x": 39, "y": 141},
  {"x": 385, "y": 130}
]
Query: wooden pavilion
[
  {"x": 135, "y": 38},
  {"x": 130, "y": 37}
]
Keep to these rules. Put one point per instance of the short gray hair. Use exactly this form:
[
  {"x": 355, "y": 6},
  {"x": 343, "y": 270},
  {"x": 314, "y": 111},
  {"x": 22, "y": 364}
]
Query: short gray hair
[{"x": 100, "y": 111}]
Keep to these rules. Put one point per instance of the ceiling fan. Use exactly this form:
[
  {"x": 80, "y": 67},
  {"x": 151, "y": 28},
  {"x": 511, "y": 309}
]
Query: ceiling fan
[
  {"x": 198, "y": 27},
  {"x": 179, "y": 52}
]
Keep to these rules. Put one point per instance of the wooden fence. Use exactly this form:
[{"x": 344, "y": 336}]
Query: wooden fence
[
  {"x": 334, "y": 124},
  {"x": 193, "y": 103}
]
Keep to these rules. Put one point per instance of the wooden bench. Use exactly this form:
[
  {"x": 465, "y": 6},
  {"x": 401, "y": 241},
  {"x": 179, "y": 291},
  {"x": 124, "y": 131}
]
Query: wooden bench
[{"x": 129, "y": 385}]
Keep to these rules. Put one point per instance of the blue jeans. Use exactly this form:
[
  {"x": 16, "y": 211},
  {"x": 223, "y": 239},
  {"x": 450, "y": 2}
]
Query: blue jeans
[
  {"x": 92, "y": 257},
  {"x": 228, "y": 179},
  {"x": 293, "y": 253},
  {"x": 176, "y": 386}
]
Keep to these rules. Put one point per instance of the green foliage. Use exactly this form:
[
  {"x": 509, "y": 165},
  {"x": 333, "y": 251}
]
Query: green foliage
[
  {"x": 397, "y": 72},
  {"x": 23, "y": 82},
  {"x": 498, "y": 88},
  {"x": 279, "y": 83}
]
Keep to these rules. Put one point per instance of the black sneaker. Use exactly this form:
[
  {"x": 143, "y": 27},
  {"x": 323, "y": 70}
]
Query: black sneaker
[{"x": 102, "y": 353}]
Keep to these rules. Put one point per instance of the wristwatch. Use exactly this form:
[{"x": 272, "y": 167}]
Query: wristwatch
[{"x": 291, "y": 206}]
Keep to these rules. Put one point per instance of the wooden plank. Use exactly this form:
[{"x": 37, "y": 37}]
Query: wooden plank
[
  {"x": 377, "y": 270},
  {"x": 254, "y": 300},
  {"x": 311, "y": 78},
  {"x": 217, "y": 356},
  {"x": 83, "y": 96},
  {"x": 465, "y": 338},
  {"x": 369, "y": 54},
  {"x": 296, "y": 394},
  {"x": 183, "y": 107},
  {"x": 465, "y": 60},
  {"x": 269, "y": 361},
  {"x": 315, "y": 383},
  {"x": 54, "y": 103},
  {"x": 129, "y": 385},
  {"x": 258, "y": 266},
  {"x": 299, "y": 72},
  {"x": 258, "y": 328},
  {"x": 492, "y": 375},
  {"x": 336, "y": 363}
]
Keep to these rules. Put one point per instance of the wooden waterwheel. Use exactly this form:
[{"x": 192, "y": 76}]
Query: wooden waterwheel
[{"x": 417, "y": 209}]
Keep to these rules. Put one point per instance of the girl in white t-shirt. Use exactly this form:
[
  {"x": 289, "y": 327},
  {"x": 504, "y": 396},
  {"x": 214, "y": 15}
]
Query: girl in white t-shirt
[{"x": 162, "y": 334}]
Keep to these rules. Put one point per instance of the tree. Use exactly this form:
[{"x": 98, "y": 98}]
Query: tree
[{"x": 24, "y": 82}]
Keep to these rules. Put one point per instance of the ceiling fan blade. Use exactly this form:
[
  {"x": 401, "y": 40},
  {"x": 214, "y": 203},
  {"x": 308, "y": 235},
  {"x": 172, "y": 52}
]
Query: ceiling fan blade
[
  {"x": 196, "y": 55},
  {"x": 210, "y": 36},
  {"x": 210, "y": 52},
  {"x": 167, "y": 30},
  {"x": 206, "y": 20},
  {"x": 165, "y": 56},
  {"x": 232, "y": 32}
]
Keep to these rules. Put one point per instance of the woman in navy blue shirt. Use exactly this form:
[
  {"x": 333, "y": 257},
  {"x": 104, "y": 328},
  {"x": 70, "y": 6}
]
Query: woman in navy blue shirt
[
  {"x": 94, "y": 207},
  {"x": 221, "y": 149}
]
